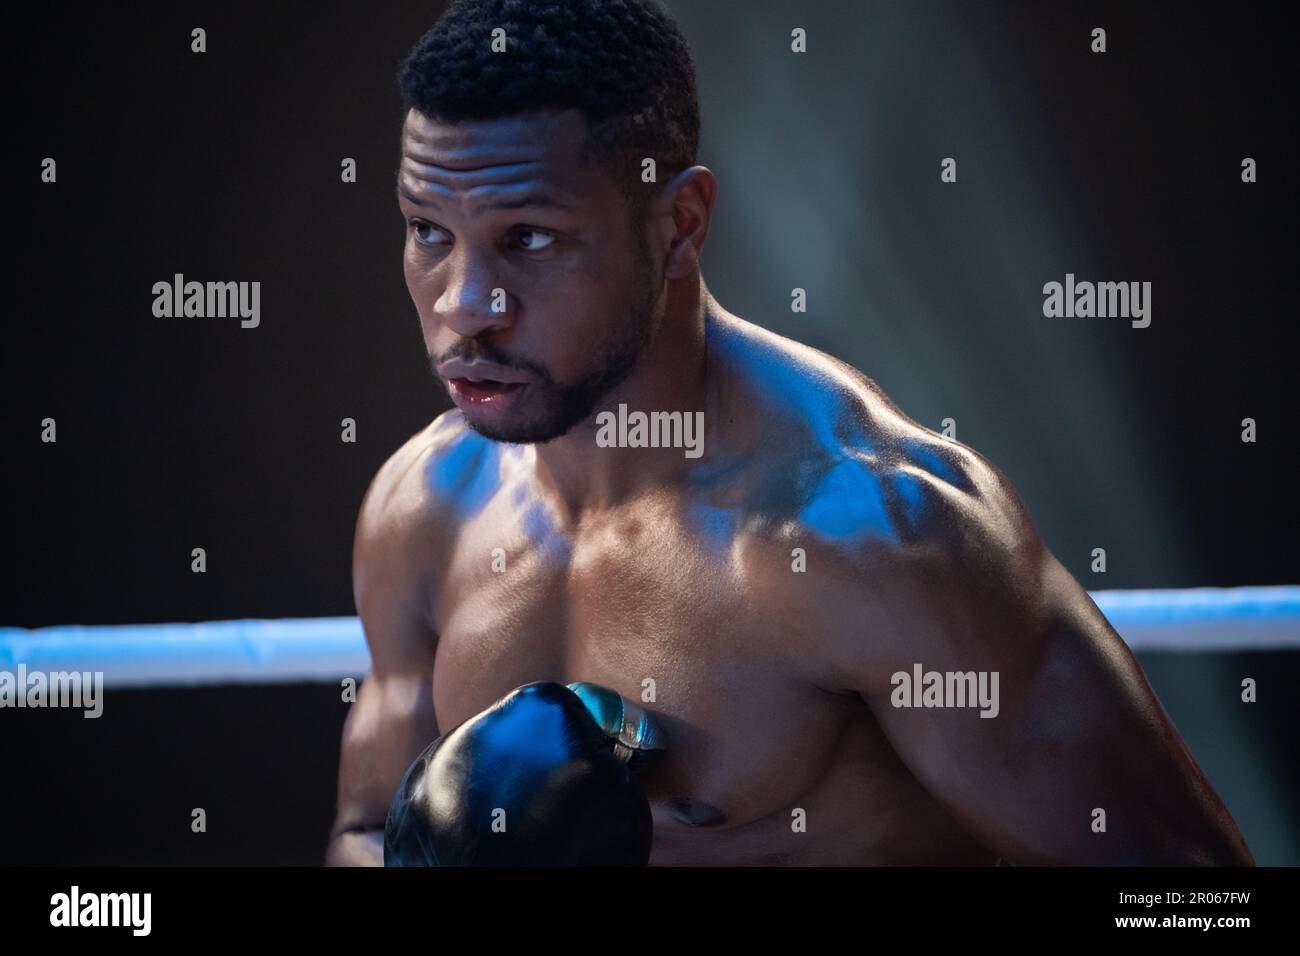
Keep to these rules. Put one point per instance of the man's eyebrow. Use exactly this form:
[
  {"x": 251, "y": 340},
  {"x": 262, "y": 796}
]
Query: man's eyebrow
[{"x": 519, "y": 202}]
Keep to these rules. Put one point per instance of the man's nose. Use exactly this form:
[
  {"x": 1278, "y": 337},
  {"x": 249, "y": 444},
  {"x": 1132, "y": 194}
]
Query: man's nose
[{"x": 466, "y": 301}]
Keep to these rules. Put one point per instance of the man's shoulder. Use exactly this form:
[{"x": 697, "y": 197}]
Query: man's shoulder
[
  {"x": 428, "y": 486},
  {"x": 912, "y": 496},
  {"x": 954, "y": 548},
  {"x": 407, "y": 525},
  {"x": 852, "y": 472},
  {"x": 914, "y": 543}
]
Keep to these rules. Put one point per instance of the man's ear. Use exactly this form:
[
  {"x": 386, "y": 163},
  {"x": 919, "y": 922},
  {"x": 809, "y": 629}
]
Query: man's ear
[{"x": 682, "y": 214}]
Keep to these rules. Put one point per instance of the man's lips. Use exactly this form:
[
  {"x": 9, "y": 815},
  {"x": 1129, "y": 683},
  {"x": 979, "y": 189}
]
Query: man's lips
[{"x": 464, "y": 390}]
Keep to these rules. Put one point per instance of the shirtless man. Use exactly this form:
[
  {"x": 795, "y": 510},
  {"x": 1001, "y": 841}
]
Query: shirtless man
[{"x": 770, "y": 590}]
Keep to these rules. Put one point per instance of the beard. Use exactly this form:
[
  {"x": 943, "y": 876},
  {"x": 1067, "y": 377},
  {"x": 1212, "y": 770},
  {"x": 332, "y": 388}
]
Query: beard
[{"x": 552, "y": 410}]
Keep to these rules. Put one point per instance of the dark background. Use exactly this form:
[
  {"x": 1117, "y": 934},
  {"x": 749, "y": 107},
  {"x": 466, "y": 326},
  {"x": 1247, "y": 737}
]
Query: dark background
[{"x": 177, "y": 433}]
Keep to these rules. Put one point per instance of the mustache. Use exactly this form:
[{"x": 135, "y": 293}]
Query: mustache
[{"x": 472, "y": 351}]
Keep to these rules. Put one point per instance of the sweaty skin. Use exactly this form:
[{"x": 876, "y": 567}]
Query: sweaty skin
[{"x": 766, "y": 591}]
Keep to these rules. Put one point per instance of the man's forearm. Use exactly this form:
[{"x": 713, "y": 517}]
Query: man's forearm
[{"x": 356, "y": 848}]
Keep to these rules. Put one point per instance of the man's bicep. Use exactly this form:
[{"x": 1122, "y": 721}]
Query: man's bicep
[
  {"x": 393, "y": 718},
  {"x": 1080, "y": 763}
]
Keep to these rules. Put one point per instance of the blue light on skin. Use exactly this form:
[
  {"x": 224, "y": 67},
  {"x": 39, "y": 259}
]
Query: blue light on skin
[
  {"x": 541, "y": 530},
  {"x": 796, "y": 395},
  {"x": 835, "y": 489},
  {"x": 715, "y": 526},
  {"x": 840, "y": 480},
  {"x": 928, "y": 458},
  {"x": 910, "y": 489},
  {"x": 848, "y": 506},
  {"x": 467, "y": 473}
]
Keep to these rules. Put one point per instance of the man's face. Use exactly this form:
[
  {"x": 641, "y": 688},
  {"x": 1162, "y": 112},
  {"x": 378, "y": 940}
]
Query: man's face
[{"x": 505, "y": 205}]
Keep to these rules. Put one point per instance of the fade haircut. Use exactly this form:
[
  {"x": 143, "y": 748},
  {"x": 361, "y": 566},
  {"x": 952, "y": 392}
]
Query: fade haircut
[{"x": 623, "y": 64}]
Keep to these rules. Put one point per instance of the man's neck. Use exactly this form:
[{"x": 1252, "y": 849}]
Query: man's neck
[{"x": 674, "y": 375}]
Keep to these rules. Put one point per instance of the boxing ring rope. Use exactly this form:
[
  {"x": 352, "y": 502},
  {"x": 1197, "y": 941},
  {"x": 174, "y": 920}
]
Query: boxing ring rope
[{"x": 327, "y": 649}]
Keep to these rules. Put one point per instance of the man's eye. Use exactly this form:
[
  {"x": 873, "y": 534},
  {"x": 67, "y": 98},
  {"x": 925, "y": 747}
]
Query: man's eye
[
  {"x": 427, "y": 234},
  {"x": 540, "y": 239},
  {"x": 425, "y": 239}
]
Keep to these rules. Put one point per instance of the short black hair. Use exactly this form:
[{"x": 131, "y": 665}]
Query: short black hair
[{"x": 623, "y": 64}]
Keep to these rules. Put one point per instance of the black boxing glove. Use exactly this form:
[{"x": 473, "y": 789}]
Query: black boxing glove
[{"x": 546, "y": 776}]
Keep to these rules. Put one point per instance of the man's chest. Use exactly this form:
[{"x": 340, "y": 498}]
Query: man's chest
[{"x": 671, "y": 624}]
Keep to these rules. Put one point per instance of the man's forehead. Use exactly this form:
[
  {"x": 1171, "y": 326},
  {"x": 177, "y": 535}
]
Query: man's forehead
[{"x": 550, "y": 138}]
